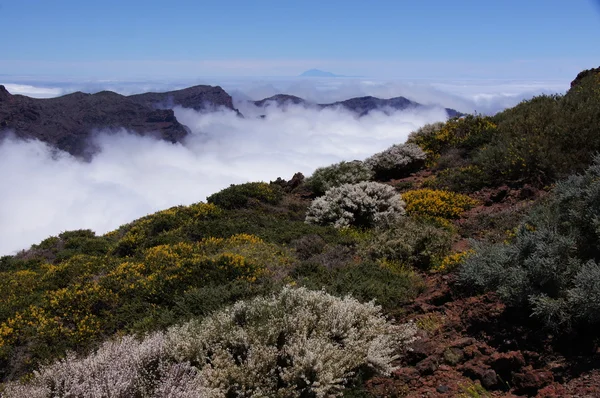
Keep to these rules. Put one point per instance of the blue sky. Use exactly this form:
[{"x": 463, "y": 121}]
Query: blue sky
[{"x": 545, "y": 39}]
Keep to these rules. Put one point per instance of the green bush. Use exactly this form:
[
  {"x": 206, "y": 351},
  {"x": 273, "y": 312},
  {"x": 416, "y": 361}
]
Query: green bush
[
  {"x": 242, "y": 195},
  {"x": 325, "y": 178},
  {"x": 365, "y": 280},
  {"x": 412, "y": 242},
  {"x": 465, "y": 133},
  {"x": 463, "y": 179},
  {"x": 551, "y": 265},
  {"x": 397, "y": 161}
]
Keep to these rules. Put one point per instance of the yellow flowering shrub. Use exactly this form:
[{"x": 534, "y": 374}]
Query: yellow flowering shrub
[
  {"x": 437, "y": 204},
  {"x": 452, "y": 261},
  {"x": 241, "y": 256},
  {"x": 468, "y": 131},
  {"x": 77, "y": 268},
  {"x": 138, "y": 235},
  {"x": 68, "y": 316},
  {"x": 17, "y": 288},
  {"x": 76, "y": 302}
]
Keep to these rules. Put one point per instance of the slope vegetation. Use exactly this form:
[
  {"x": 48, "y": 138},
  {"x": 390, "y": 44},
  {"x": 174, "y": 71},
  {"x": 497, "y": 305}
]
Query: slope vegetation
[{"x": 479, "y": 237}]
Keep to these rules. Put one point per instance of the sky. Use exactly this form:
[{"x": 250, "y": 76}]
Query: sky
[{"x": 511, "y": 39}]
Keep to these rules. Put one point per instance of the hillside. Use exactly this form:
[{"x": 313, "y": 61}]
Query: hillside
[
  {"x": 197, "y": 97},
  {"x": 67, "y": 122},
  {"x": 478, "y": 237}
]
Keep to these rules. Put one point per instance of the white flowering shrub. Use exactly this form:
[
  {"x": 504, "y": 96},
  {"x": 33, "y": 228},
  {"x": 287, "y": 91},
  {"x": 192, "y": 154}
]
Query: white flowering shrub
[
  {"x": 365, "y": 204},
  {"x": 296, "y": 343},
  {"x": 121, "y": 368},
  {"x": 397, "y": 161},
  {"x": 325, "y": 178}
]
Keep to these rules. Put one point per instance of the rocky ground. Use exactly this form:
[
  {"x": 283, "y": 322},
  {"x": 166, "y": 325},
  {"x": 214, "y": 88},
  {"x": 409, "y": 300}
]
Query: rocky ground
[{"x": 475, "y": 346}]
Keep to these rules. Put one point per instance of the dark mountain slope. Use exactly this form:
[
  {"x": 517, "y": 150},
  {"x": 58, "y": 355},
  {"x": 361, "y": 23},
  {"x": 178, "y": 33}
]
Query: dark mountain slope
[
  {"x": 67, "y": 122},
  {"x": 196, "y": 97},
  {"x": 282, "y": 99}
]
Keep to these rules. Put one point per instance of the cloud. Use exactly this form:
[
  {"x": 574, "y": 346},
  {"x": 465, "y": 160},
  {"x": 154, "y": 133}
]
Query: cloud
[
  {"x": 482, "y": 96},
  {"x": 46, "y": 193},
  {"x": 33, "y": 91}
]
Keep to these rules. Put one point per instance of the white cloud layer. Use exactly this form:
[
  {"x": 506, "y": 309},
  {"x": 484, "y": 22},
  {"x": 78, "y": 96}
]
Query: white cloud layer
[
  {"x": 33, "y": 91},
  {"x": 132, "y": 176}
]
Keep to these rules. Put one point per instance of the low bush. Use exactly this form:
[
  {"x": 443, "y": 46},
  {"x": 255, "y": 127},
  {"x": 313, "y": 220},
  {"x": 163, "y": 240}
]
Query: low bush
[
  {"x": 452, "y": 261},
  {"x": 325, "y": 178},
  {"x": 551, "y": 265},
  {"x": 466, "y": 133},
  {"x": 241, "y": 195},
  {"x": 161, "y": 228},
  {"x": 463, "y": 179},
  {"x": 397, "y": 161},
  {"x": 76, "y": 303},
  {"x": 365, "y": 280},
  {"x": 437, "y": 204},
  {"x": 365, "y": 204},
  {"x": 412, "y": 242},
  {"x": 296, "y": 343}
]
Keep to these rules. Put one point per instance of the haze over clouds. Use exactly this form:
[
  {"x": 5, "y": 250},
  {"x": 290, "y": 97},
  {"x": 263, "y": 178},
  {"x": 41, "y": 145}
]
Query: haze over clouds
[
  {"x": 482, "y": 95},
  {"x": 46, "y": 193}
]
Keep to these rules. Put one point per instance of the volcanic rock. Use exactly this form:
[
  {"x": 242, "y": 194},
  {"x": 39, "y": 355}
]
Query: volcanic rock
[{"x": 67, "y": 122}]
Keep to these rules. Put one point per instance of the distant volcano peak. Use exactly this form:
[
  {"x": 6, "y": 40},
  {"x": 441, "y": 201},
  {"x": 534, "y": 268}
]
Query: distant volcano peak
[{"x": 318, "y": 73}]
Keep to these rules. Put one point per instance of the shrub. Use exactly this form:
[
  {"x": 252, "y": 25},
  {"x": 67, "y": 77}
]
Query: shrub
[
  {"x": 412, "y": 242},
  {"x": 436, "y": 204},
  {"x": 550, "y": 267},
  {"x": 453, "y": 261},
  {"x": 69, "y": 244},
  {"x": 425, "y": 138},
  {"x": 365, "y": 204},
  {"x": 364, "y": 280},
  {"x": 294, "y": 344},
  {"x": 465, "y": 179},
  {"x": 397, "y": 161},
  {"x": 241, "y": 195},
  {"x": 467, "y": 133},
  {"x": 160, "y": 228},
  {"x": 73, "y": 304},
  {"x": 325, "y": 178},
  {"x": 297, "y": 343}
]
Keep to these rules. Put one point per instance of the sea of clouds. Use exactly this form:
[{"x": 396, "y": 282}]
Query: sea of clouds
[{"x": 45, "y": 192}]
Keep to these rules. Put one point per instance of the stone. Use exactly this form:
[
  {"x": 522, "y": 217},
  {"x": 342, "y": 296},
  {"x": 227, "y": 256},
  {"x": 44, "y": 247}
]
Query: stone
[
  {"x": 453, "y": 355},
  {"x": 489, "y": 379},
  {"x": 427, "y": 366},
  {"x": 531, "y": 380},
  {"x": 442, "y": 389}
]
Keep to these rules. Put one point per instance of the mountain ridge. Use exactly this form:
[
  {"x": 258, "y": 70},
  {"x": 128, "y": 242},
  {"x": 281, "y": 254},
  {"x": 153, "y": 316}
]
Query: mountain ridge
[
  {"x": 360, "y": 105},
  {"x": 69, "y": 122}
]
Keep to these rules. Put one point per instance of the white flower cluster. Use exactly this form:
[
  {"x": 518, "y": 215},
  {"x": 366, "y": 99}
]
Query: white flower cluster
[
  {"x": 397, "y": 160},
  {"x": 364, "y": 204},
  {"x": 296, "y": 343},
  {"x": 121, "y": 368}
]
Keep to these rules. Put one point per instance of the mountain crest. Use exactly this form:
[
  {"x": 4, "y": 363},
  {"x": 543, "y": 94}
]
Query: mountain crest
[{"x": 4, "y": 94}]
